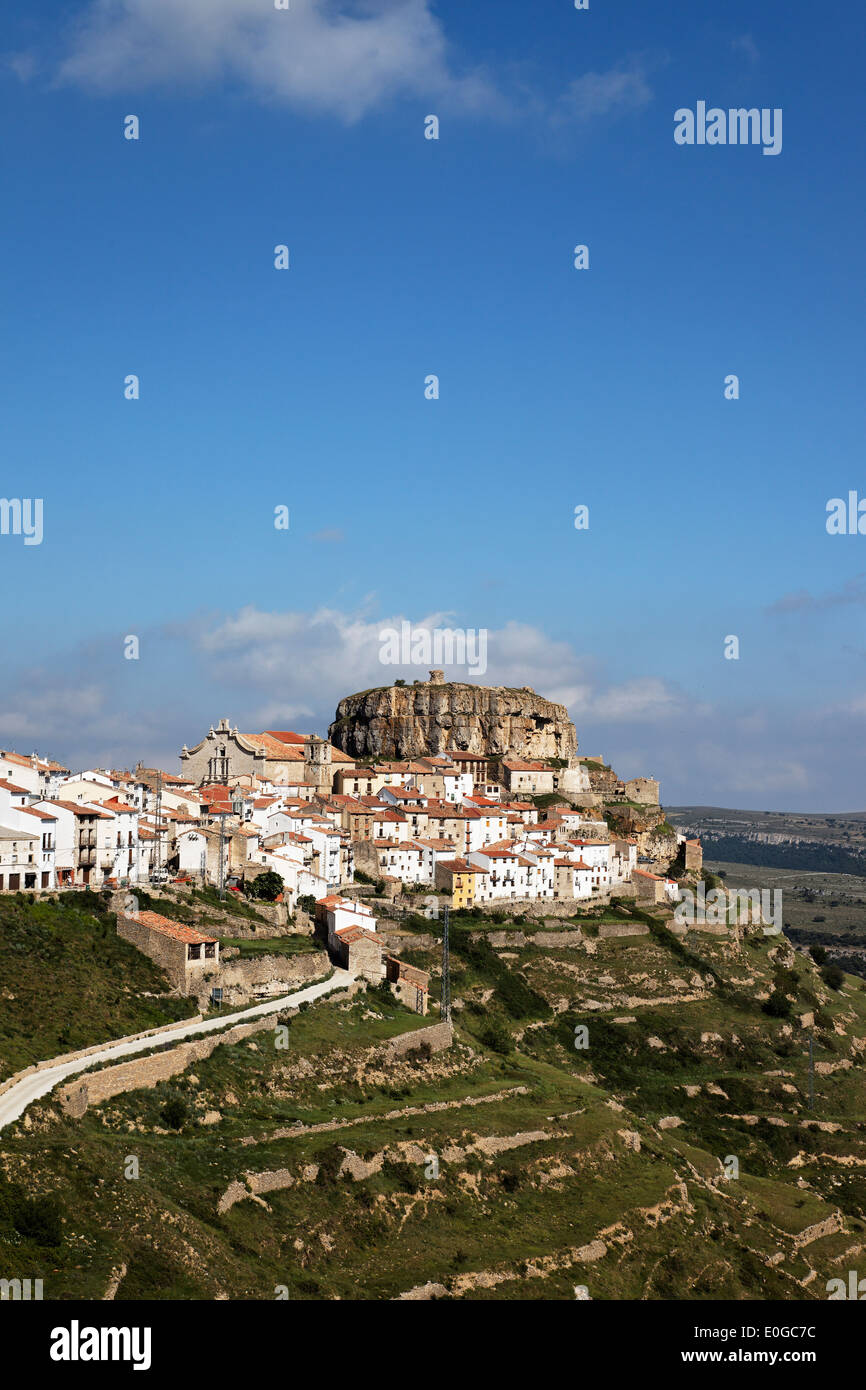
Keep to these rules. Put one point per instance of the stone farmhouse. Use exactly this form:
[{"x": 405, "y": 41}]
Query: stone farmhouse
[{"x": 185, "y": 954}]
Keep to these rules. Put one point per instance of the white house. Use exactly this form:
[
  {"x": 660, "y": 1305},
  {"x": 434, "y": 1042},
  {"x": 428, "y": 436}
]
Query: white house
[{"x": 343, "y": 913}]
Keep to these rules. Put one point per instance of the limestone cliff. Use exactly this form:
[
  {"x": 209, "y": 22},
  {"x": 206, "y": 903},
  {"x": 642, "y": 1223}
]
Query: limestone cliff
[{"x": 396, "y": 721}]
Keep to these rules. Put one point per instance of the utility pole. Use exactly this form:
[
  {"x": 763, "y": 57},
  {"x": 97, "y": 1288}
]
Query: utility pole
[
  {"x": 158, "y": 865},
  {"x": 446, "y": 972}
]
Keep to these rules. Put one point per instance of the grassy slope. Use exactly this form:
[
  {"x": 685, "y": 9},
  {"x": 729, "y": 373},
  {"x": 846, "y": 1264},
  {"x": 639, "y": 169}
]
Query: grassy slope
[
  {"x": 67, "y": 980},
  {"x": 672, "y": 1226}
]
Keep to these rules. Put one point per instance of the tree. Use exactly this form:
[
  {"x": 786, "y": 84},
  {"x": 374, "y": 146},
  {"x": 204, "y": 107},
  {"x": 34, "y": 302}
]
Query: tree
[{"x": 267, "y": 886}]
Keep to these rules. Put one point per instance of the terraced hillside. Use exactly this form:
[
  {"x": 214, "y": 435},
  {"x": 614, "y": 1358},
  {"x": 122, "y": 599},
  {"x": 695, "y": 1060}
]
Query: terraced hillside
[{"x": 515, "y": 1164}]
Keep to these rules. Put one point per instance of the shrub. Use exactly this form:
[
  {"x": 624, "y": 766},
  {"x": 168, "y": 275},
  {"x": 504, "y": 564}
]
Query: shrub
[
  {"x": 778, "y": 1005},
  {"x": 405, "y": 1176},
  {"x": 833, "y": 977},
  {"x": 39, "y": 1219},
  {"x": 818, "y": 954},
  {"x": 497, "y": 1036},
  {"x": 175, "y": 1112},
  {"x": 330, "y": 1161}
]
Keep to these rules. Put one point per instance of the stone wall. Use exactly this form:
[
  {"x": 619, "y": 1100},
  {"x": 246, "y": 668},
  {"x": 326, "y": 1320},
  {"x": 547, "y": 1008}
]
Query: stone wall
[
  {"x": 239, "y": 976},
  {"x": 156, "y": 1033},
  {"x": 623, "y": 929},
  {"x": 558, "y": 940},
  {"x": 553, "y": 907},
  {"x": 147, "y": 1072},
  {"x": 514, "y": 939},
  {"x": 396, "y": 940},
  {"x": 438, "y": 1036}
]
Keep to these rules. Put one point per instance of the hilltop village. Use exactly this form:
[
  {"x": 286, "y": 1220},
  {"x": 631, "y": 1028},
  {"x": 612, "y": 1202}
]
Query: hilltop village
[{"x": 474, "y": 827}]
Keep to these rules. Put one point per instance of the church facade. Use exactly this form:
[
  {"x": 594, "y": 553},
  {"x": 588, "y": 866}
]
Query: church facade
[{"x": 225, "y": 756}]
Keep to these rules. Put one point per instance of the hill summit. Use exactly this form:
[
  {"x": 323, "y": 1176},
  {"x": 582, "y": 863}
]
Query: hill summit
[{"x": 438, "y": 716}]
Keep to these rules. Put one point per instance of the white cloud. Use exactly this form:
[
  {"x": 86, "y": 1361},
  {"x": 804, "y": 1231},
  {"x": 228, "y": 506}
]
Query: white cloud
[
  {"x": 622, "y": 88},
  {"x": 289, "y": 669},
  {"x": 323, "y": 655},
  {"x": 341, "y": 59}
]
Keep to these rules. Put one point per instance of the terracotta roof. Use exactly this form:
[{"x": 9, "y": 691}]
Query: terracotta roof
[
  {"x": 16, "y": 758},
  {"x": 177, "y": 930},
  {"x": 460, "y": 866},
  {"x": 353, "y": 934}
]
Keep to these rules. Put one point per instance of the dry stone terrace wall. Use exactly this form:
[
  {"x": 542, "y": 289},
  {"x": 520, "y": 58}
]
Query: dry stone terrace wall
[
  {"x": 438, "y": 1036},
  {"x": 147, "y": 1072}
]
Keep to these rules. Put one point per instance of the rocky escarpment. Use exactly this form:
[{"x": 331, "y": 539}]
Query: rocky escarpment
[{"x": 436, "y": 716}]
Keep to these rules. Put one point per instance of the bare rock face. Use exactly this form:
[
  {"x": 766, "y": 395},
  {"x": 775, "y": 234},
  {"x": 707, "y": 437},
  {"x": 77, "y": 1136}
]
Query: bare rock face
[{"x": 430, "y": 717}]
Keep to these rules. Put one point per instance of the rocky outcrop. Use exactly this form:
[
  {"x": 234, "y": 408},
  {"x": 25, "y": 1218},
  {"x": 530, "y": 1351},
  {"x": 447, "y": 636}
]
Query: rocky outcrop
[{"x": 435, "y": 717}]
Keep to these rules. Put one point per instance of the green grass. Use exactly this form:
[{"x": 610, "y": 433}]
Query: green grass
[{"x": 68, "y": 981}]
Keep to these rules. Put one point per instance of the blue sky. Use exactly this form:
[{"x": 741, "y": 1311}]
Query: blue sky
[{"x": 558, "y": 387}]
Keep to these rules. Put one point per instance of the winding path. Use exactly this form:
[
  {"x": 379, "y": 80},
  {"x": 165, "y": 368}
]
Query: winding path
[{"x": 15, "y": 1101}]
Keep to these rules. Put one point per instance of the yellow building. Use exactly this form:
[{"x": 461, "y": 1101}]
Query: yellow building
[{"x": 460, "y": 879}]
